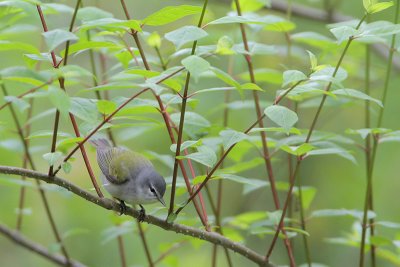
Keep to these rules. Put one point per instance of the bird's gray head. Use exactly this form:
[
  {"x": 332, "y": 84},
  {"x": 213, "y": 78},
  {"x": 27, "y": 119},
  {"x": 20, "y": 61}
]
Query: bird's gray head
[{"x": 152, "y": 185}]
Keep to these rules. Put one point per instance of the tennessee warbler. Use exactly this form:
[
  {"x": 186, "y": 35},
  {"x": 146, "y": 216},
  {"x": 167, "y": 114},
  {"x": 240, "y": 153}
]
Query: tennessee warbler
[{"x": 129, "y": 176}]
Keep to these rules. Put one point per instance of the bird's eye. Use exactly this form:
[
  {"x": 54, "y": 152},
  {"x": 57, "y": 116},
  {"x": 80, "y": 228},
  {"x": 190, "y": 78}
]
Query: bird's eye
[{"x": 152, "y": 190}]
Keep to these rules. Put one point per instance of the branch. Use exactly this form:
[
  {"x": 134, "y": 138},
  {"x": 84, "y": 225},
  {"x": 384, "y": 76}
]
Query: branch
[
  {"x": 109, "y": 204},
  {"x": 23, "y": 241}
]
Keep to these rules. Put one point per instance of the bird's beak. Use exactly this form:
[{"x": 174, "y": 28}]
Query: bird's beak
[{"x": 161, "y": 200}]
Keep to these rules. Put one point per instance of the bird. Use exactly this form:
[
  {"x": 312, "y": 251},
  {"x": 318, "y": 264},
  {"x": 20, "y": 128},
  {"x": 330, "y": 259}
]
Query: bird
[{"x": 128, "y": 176}]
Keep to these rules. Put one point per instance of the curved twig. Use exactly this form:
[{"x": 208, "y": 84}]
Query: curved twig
[
  {"x": 39, "y": 249},
  {"x": 109, "y": 204}
]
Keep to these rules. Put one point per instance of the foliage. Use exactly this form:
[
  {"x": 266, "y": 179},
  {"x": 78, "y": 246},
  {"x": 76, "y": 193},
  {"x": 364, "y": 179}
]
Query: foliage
[{"x": 235, "y": 75}]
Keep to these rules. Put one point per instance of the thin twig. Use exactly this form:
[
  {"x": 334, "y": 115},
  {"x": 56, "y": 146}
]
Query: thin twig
[
  {"x": 182, "y": 119},
  {"x": 167, "y": 121},
  {"x": 120, "y": 239},
  {"x": 218, "y": 164},
  {"x": 368, "y": 195},
  {"x": 71, "y": 116},
  {"x": 263, "y": 136},
  {"x": 307, "y": 140},
  {"x": 22, "y": 191},
  {"x": 39, "y": 249},
  {"x": 42, "y": 193},
  {"x": 27, "y": 92},
  {"x": 109, "y": 117}
]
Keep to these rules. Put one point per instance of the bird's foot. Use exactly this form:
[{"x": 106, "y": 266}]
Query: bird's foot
[
  {"x": 122, "y": 207},
  {"x": 142, "y": 214}
]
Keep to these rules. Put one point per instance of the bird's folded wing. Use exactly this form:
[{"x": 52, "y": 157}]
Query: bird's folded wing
[{"x": 106, "y": 160}]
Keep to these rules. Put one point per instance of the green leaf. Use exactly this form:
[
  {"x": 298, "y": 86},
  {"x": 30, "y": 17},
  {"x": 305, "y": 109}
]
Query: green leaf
[
  {"x": 154, "y": 40},
  {"x": 193, "y": 123},
  {"x": 333, "y": 151},
  {"x": 356, "y": 94},
  {"x": 251, "y": 5},
  {"x": 276, "y": 129},
  {"x": 343, "y": 33},
  {"x": 307, "y": 193},
  {"x": 242, "y": 166},
  {"x": 255, "y": 49},
  {"x": 115, "y": 231},
  {"x": 52, "y": 158},
  {"x": 170, "y": 14},
  {"x": 32, "y": 59},
  {"x": 106, "y": 107},
  {"x": 56, "y": 37},
  {"x": 314, "y": 39},
  {"x": 264, "y": 75},
  {"x": 10, "y": 45},
  {"x": 18, "y": 102},
  {"x": 377, "y": 7},
  {"x": 278, "y": 24},
  {"x": 368, "y": 3},
  {"x": 224, "y": 46},
  {"x": 313, "y": 61},
  {"x": 59, "y": 99},
  {"x": 186, "y": 145},
  {"x": 196, "y": 66},
  {"x": 296, "y": 230},
  {"x": 67, "y": 167},
  {"x": 204, "y": 155},
  {"x": 282, "y": 116},
  {"x": 298, "y": 150},
  {"x": 342, "y": 212},
  {"x": 64, "y": 144},
  {"x": 231, "y": 137},
  {"x": 393, "y": 225},
  {"x": 185, "y": 35},
  {"x": 292, "y": 76},
  {"x": 250, "y": 86},
  {"x": 85, "y": 45},
  {"x": 225, "y": 77},
  {"x": 92, "y": 13},
  {"x": 45, "y": 133},
  {"x": 112, "y": 24},
  {"x": 85, "y": 109},
  {"x": 237, "y": 19}
]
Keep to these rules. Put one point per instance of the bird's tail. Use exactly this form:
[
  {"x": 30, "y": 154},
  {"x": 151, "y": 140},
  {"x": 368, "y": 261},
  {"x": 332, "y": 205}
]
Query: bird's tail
[{"x": 101, "y": 143}]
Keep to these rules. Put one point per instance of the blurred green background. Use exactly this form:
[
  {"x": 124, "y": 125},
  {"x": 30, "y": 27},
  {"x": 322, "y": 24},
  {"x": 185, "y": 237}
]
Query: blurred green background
[{"x": 339, "y": 183}]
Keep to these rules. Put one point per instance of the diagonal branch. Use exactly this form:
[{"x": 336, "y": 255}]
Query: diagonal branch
[
  {"x": 109, "y": 204},
  {"x": 109, "y": 117},
  {"x": 19, "y": 239}
]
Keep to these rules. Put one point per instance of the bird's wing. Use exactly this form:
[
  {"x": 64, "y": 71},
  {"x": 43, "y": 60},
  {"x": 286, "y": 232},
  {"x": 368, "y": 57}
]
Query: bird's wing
[
  {"x": 128, "y": 164},
  {"x": 107, "y": 163}
]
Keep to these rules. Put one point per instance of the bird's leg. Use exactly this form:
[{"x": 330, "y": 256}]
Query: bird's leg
[
  {"x": 122, "y": 207},
  {"x": 142, "y": 214}
]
